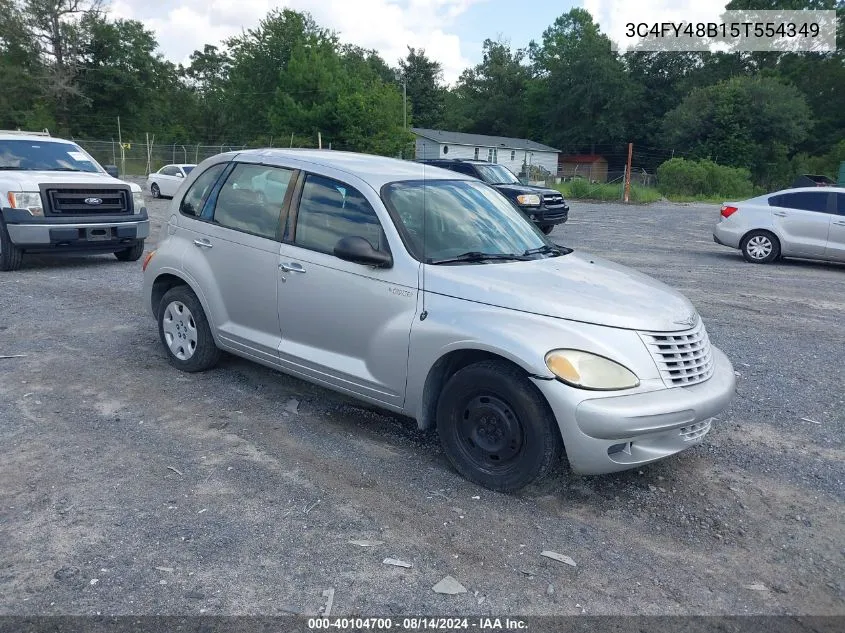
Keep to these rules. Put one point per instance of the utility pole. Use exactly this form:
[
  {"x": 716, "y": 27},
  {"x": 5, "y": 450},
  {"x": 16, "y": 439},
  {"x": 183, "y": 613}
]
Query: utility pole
[
  {"x": 319, "y": 140},
  {"x": 628, "y": 172},
  {"x": 122, "y": 155},
  {"x": 404, "y": 104}
]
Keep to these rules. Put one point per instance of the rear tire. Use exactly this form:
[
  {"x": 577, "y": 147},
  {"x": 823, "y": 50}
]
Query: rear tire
[
  {"x": 10, "y": 255},
  {"x": 184, "y": 331},
  {"x": 547, "y": 228},
  {"x": 155, "y": 191},
  {"x": 760, "y": 247},
  {"x": 496, "y": 428},
  {"x": 131, "y": 254}
]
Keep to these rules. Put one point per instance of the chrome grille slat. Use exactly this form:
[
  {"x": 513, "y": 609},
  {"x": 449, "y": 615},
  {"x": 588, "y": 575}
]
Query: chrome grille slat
[{"x": 683, "y": 358}]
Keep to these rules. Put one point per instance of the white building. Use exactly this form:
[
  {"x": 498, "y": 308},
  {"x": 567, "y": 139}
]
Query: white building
[{"x": 513, "y": 153}]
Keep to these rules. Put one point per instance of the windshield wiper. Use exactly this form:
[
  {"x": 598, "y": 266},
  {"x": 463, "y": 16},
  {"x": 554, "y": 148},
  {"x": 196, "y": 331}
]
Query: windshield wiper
[
  {"x": 63, "y": 169},
  {"x": 477, "y": 256},
  {"x": 548, "y": 249}
]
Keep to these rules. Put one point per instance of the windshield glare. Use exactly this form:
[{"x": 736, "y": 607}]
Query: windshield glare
[
  {"x": 44, "y": 155},
  {"x": 497, "y": 175},
  {"x": 461, "y": 216}
]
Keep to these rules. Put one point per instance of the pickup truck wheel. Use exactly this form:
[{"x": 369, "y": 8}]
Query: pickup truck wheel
[
  {"x": 184, "y": 331},
  {"x": 496, "y": 428},
  {"x": 155, "y": 190},
  {"x": 10, "y": 255},
  {"x": 131, "y": 254},
  {"x": 547, "y": 228}
]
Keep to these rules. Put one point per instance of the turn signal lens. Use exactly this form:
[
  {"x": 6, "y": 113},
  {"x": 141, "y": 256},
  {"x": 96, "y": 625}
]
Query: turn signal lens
[{"x": 589, "y": 371}]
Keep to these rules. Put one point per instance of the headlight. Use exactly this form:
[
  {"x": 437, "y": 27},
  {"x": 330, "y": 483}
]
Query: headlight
[
  {"x": 589, "y": 371},
  {"x": 27, "y": 200},
  {"x": 529, "y": 200},
  {"x": 138, "y": 201}
]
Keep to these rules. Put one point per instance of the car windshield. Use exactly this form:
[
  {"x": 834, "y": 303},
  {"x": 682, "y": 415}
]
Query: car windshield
[
  {"x": 188, "y": 169},
  {"x": 443, "y": 219},
  {"x": 46, "y": 155},
  {"x": 496, "y": 175}
]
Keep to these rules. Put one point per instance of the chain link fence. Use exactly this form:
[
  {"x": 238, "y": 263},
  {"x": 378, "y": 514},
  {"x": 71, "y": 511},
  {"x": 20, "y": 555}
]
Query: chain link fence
[{"x": 139, "y": 159}]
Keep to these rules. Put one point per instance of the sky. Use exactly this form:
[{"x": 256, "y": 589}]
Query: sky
[{"x": 450, "y": 31}]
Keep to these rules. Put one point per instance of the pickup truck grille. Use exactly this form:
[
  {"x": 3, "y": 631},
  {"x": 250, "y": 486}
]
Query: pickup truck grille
[
  {"x": 553, "y": 200},
  {"x": 683, "y": 358},
  {"x": 93, "y": 201}
]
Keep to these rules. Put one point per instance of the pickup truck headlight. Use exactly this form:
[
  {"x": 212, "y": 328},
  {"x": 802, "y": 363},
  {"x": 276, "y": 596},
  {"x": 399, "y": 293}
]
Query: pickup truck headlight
[
  {"x": 137, "y": 201},
  {"x": 528, "y": 200},
  {"x": 589, "y": 371},
  {"x": 27, "y": 200}
]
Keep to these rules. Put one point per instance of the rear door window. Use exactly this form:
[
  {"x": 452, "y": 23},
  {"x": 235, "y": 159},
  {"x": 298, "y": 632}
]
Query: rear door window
[
  {"x": 252, "y": 198},
  {"x": 840, "y": 203},
  {"x": 804, "y": 200}
]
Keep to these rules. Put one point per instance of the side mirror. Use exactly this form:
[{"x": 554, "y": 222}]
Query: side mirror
[
  {"x": 357, "y": 249},
  {"x": 111, "y": 170},
  {"x": 179, "y": 174}
]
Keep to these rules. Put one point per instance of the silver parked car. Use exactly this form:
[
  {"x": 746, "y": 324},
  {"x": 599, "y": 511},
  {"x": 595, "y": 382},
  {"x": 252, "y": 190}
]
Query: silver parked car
[
  {"x": 429, "y": 294},
  {"x": 807, "y": 222}
]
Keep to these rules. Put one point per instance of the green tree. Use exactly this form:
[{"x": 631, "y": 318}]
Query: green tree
[
  {"x": 582, "y": 92},
  {"x": 20, "y": 66},
  {"x": 491, "y": 98},
  {"x": 423, "y": 78},
  {"x": 748, "y": 122}
]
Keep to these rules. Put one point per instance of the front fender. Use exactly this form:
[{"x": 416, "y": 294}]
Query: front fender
[{"x": 520, "y": 337}]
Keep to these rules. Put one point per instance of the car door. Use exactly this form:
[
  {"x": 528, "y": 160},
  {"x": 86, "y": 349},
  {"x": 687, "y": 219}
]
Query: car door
[
  {"x": 168, "y": 183},
  {"x": 836, "y": 237},
  {"x": 343, "y": 324},
  {"x": 802, "y": 222},
  {"x": 236, "y": 255}
]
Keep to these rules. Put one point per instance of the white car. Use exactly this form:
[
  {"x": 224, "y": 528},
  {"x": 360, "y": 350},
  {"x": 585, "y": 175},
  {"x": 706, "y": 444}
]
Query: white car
[
  {"x": 167, "y": 180},
  {"x": 807, "y": 222}
]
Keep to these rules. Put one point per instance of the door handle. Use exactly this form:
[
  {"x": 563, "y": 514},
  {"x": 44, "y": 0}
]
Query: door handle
[
  {"x": 839, "y": 223},
  {"x": 780, "y": 214},
  {"x": 203, "y": 243},
  {"x": 292, "y": 267}
]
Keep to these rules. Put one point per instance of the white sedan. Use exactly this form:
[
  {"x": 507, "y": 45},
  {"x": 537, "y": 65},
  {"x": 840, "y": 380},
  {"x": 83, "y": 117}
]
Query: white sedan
[{"x": 167, "y": 180}]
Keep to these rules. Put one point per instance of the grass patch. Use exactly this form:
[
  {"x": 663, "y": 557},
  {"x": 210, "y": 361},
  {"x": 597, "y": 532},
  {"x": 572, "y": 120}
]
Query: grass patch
[{"x": 606, "y": 192}]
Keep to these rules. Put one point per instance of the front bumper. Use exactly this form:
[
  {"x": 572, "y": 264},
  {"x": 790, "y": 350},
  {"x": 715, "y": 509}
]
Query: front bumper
[
  {"x": 74, "y": 233},
  {"x": 547, "y": 217},
  {"x": 604, "y": 435}
]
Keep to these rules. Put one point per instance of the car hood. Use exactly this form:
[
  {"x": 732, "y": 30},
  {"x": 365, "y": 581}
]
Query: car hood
[
  {"x": 526, "y": 189},
  {"x": 576, "y": 287},
  {"x": 29, "y": 180}
]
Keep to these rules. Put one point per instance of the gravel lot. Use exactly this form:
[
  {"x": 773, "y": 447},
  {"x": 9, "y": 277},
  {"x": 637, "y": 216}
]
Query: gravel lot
[{"x": 129, "y": 488}]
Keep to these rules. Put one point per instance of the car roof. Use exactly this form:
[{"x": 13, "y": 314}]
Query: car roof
[
  {"x": 374, "y": 170},
  {"x": 825, "y": 189},
  {"x": 41, "y": 138}
]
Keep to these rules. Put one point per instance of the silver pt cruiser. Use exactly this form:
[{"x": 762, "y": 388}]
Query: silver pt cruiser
[{"x": 427, "y": 293}]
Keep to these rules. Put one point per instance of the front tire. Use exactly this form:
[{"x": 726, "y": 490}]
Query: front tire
[
  {"x": 131, "y": 254},
  {"x": 496, "y": 428},
  {"x": 760, "y": 247},
  {"x": 155, "y": 191},
  {"x": 10, "y": 255},
  {"x": 184, "y": 331}
]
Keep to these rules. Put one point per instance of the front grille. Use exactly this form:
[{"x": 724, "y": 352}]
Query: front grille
[
  {"x": 695, "y": 431},
  {"x": 553, "y": 200},
  {"x": 683, "y": 358},
  {"x": 67, "y": 201}
]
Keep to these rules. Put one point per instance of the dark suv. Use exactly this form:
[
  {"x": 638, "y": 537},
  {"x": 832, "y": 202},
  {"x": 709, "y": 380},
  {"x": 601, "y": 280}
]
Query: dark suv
[{"x": 545, "y": 207}]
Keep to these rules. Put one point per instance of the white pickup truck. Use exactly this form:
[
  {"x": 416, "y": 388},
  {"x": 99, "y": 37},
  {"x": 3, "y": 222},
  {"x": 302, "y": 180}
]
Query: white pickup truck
[{"x": 55, "y": 198}]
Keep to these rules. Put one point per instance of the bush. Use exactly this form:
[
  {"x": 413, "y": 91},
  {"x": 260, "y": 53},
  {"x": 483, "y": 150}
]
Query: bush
[
  {"x": 583, "y": 190},
  {"x": 682, "y": 177}
]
